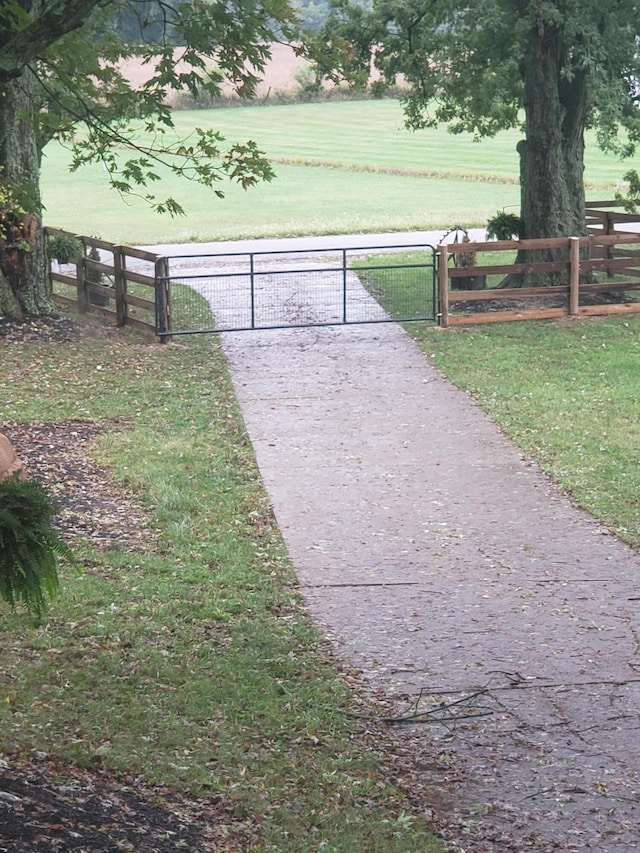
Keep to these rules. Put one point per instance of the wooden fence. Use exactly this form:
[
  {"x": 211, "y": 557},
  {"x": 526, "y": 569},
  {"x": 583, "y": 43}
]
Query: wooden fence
[
  {"x": 603, "y": 218},
  {"x": 598, "y": 274},
  {"x": 119, "y": 282}
]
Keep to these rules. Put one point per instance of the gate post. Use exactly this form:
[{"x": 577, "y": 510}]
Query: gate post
[
  {"x": 344, "y": 286},
  {"x": 83, "y": 296},
  {"x": 120, "y": 281},
  {"x": 443, "y": 285},
  {"x": 574, "y": 276},
  {"x": 163, "y": 301}
]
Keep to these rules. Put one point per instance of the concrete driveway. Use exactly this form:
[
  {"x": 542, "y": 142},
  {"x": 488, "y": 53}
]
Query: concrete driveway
[
  {"x": 450, "y": 570},
  {"x": 455, "y": 575}
]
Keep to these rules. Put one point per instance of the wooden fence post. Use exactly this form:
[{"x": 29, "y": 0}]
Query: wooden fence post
[
  {"x": 163, "y": 300},
  {"x": 83, "y": 296},
  {"x": 443, "y": 285},
  {"x": 120, "y": 285},
  {"x": 574, "y": 276}
]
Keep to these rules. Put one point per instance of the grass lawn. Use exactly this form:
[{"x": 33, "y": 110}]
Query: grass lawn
[
  {"x": 192, "y": 664},
  {"x": 341, "y": 167}
]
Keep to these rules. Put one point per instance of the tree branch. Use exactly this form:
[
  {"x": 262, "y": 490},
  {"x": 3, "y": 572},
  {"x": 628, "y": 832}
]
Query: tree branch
[{"x": 20, "y": 45}]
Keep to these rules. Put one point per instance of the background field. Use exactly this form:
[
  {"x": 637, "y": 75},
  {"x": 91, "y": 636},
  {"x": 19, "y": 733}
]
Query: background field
[{"x": 347, "y": 166}]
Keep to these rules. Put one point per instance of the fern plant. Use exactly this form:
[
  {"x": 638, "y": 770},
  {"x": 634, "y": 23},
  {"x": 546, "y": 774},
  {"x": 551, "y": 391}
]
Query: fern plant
[
  {"x": 504, "y": 226},
  {"x": 29, "y": 546}
]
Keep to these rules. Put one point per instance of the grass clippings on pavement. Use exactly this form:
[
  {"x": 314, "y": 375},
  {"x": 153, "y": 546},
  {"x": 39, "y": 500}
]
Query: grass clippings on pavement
[{"x": 178, "y": 670}]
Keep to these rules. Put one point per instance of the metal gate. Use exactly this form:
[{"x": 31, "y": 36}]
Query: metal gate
[{"x": 287, "y": 290}]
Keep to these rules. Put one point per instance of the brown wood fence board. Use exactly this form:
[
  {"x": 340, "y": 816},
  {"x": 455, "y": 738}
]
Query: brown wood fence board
[
  {"x": 605, "y": 264},
  {"x": 609, "y": 203},
  {"x": 505, "y": 269},
  {"x": 97, "y": 243},
  {"x": 627, "y": 253},
  {"x": 140, "y": 254},
  {"x": 139, "y": 302},
  {"x": 506, "y": 293},
  {"x": 100, "y": 289},
  {"x": 106, "y": 269},
  {"x": 65, "y": 301},
  {"x": 609, "y": 239},
  {"x": 503, "y": 245},
  {"x": 139, "y": 278},
  {"x": 604, "y": 287},
  {"x": 140, "y": 324},
  {"x": 629, "y": 271},
  {"x": 621, "y": 308},
  {"x": 62, "y": 278},
  {"x": 506, "y": 316},
  {"x": 623, "y": 217}
]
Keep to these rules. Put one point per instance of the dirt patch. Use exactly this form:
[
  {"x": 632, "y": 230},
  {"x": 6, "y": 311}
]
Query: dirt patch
[
  {"x": 32, "y": 329},
  {"x": 535, "y": 303},
  {"x": 51, "y": 806},
  {"x": 89, "y": 503}
]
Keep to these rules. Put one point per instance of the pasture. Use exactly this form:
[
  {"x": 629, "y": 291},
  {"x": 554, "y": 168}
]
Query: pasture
[{"x": 344, "y": 166}]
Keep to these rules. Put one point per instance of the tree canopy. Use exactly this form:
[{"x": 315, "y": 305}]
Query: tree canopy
[
  {"x": 62, "y": 77},
  {"x": 550, "y": 67}
]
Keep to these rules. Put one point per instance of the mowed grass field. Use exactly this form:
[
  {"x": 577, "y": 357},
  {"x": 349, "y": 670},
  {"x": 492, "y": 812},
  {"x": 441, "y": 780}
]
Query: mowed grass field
[{"x": 347, "y": 166}]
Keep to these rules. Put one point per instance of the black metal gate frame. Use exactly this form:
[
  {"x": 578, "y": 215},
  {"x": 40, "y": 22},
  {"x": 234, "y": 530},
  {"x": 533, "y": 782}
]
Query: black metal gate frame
[{"x": 164, "y": 281}]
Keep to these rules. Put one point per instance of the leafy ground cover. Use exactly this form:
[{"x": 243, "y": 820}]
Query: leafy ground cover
[
  {"x": 176, "y": 696},
  {"x": 341, "y": 167}
]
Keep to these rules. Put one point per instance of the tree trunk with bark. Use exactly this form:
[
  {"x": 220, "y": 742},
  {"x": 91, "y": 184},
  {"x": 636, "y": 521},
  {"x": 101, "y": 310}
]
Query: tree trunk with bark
[
  {"x": 552, "y": 154},
  {"x": 24, "y": 280}
]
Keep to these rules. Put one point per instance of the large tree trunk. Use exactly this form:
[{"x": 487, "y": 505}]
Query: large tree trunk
[
  {"x": 24, "y": 281},
  {"x": 552, "y": 154}
]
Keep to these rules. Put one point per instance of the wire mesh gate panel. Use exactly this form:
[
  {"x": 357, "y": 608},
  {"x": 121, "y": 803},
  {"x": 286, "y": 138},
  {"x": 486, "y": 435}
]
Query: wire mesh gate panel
[{"x": 276, "y": 290}]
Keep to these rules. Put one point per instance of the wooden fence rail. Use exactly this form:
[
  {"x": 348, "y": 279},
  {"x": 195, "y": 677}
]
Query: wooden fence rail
[
  {"x": 120, "y": 282},
  {"x": 576, "y": 292}
]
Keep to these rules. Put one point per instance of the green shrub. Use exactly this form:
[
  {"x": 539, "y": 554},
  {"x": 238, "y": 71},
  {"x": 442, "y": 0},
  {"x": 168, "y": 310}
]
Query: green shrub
[
  {"x": 29, "y": 546},
  {"x": 64, "y": 248},
  {"x": 504, "y": 226}
]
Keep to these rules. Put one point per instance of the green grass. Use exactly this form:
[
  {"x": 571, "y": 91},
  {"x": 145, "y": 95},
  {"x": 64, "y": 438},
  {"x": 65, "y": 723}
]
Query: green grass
[
  {"x": 192, "y": 664},
  {"x": 341, "y": 167},
  {"x": 403, "y": 284}
]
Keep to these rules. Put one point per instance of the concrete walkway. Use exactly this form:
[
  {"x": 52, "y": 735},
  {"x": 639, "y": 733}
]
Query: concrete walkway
[
  {"x": 447, "y": 567},
  {"x": 307, "y": 244}
]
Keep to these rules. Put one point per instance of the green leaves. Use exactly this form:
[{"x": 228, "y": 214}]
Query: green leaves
[
  {"x": 88, "y": 97},
  {"x": 29, "y": 546}
]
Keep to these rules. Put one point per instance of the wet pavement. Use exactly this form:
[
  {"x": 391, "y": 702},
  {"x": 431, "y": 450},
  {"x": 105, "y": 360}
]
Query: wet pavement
[{"x": 455, "y": 575}]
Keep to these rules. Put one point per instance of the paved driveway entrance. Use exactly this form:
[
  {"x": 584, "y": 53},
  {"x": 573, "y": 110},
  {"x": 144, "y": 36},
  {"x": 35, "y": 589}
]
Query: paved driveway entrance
[{"x": 450, "y": 570}]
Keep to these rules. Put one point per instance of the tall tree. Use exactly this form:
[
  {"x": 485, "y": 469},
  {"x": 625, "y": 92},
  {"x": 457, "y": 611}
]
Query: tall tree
[
  {"x": 61, "y": 76},
  {"x": 550, "y": 67}
]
